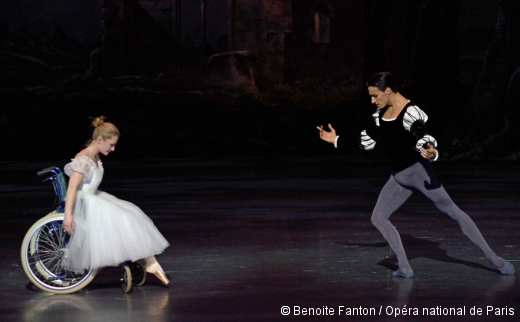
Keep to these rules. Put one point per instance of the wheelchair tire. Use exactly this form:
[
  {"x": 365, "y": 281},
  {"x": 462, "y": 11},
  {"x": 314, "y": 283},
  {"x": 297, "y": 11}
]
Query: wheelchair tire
[{"x": 42, "y": 252}]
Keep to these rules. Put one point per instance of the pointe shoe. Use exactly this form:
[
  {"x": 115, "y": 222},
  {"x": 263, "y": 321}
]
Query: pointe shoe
[{"x": 156, "y": 269}]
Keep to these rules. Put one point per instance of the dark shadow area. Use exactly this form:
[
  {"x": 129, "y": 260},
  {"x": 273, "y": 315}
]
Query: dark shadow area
[{"x": 417, "y": 248}]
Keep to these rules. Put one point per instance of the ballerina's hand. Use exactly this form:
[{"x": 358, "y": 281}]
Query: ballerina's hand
[
  {"x": 428, "y": 153},
  {"x": 326, "y": 135},
  {"x": 68, "y": 224}
]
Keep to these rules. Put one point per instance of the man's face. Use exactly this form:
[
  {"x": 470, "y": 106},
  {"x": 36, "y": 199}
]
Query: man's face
[{"x": 378, "y": 97}]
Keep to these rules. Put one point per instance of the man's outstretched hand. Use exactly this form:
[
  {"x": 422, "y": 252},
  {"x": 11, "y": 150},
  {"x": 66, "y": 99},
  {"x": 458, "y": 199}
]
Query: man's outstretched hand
[{"x": 326, "y": 135}]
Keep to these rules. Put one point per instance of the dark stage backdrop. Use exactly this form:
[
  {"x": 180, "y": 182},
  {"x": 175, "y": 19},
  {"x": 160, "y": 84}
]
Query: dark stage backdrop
[{"x": 458, "y": 59}]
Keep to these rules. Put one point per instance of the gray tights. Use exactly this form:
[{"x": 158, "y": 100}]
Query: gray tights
[{"x": 399, "y": 188}]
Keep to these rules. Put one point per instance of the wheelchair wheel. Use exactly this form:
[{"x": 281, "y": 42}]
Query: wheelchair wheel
[
  {"x": 126, "y": 278},
  {"x": 42, "y": 251},
  {"x": 138, "y": 273}
]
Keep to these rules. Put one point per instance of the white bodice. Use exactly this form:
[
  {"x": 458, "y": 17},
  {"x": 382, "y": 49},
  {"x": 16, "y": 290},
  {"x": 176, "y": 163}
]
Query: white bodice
[{"x": 92, "y": 173}]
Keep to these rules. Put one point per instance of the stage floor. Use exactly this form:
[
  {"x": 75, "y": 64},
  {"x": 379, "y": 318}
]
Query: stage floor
[{"x": 254, "y": 238}]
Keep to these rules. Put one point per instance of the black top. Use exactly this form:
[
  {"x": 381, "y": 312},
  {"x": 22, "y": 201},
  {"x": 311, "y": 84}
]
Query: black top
[{"x": 396, "y": 142}]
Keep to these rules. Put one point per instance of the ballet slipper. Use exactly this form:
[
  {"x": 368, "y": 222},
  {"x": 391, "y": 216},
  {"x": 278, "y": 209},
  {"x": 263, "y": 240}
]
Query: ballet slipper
[
  {"x": 400, "y": 273},
  {"x": 152, "y": 266},
  {"x": 507, "y": 268}
]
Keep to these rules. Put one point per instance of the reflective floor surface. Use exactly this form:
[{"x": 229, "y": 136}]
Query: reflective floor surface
[{"x": 264, "y": 239}]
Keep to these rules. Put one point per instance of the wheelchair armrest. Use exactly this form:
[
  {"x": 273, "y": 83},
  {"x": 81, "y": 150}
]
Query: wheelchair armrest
[{"x": 51, "y": 170}]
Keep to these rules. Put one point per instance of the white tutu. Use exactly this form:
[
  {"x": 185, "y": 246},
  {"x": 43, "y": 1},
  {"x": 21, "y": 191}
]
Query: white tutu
[{"x": 108, "y": 230}]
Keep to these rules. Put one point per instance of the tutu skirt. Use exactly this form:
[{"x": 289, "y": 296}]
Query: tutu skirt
[{"x": 109, "y": 231}]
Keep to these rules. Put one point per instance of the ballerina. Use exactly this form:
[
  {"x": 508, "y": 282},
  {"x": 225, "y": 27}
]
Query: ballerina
[{"x": 105, "y": 230}]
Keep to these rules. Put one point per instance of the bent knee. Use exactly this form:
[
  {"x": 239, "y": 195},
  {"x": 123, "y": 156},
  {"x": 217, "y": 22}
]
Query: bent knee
[{"x": 378, "y": 221}]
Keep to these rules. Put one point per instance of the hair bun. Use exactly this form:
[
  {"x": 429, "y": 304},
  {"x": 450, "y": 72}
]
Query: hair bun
[
  {"x": 98, "y": 121},
  {"x": 103, "y": 129}
]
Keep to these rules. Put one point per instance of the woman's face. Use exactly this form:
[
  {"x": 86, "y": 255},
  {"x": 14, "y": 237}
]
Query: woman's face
[
  {"x": 107, "y": 145},
  {"x": 378, "y": 97}
]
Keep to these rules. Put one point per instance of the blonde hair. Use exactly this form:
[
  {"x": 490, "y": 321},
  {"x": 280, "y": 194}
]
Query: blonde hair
[{"x": 102, "y": 129}]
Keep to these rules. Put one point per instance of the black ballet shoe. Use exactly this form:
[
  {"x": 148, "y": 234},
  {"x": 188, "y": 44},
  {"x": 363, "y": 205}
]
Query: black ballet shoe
[{"x": 399, "y": 273}]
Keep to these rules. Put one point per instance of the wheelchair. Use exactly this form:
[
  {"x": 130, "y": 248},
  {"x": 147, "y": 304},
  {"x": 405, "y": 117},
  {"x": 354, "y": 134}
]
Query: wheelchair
[{"x": 45, "y": 243}]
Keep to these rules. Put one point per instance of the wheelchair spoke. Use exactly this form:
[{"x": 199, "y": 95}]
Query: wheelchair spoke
[
  {"x": 49, "y": 251},
  {"x": 44, "y": 248},
  {"x": 50, "y": 243}
]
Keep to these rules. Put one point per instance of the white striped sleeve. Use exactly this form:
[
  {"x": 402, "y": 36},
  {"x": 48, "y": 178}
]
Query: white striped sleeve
[
  {"x": 376, "y": 117},
  {"x": 413, "y": 114},
  {"x": 426, "y": 139},
  {"x": 367, "y": 143}
]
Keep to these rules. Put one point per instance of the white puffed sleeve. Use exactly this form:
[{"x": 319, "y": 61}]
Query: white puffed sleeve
[
  {"x": 367, "y": 143},
  {"x": 82, "y": 165},
  {"x": 412, "y": 115},
  {"x": 426, "y": 139},
  {"x": 376, "y": 117},
  {"x": 414, "y": 121}
]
